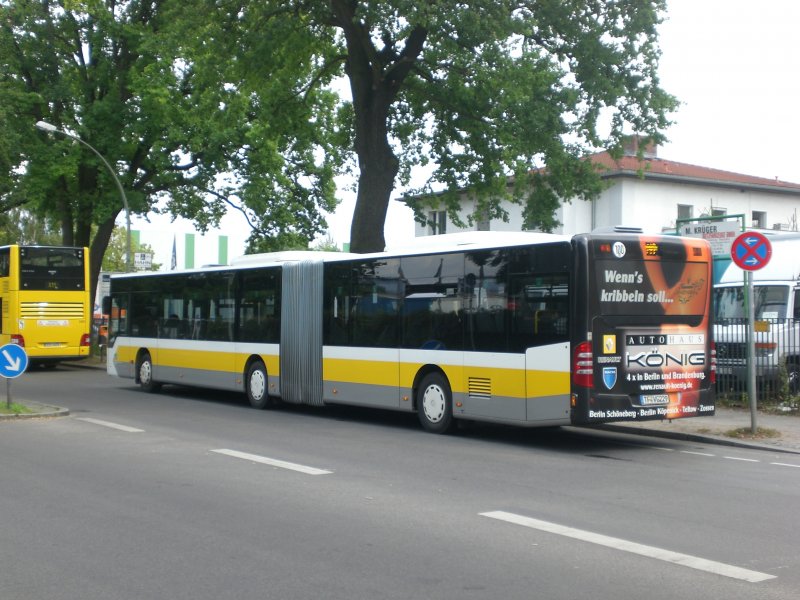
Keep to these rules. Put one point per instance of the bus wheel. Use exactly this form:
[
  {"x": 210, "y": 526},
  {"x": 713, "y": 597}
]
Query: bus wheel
[
  {"x": 256, "y": 385},
  {"x": 435, "y": 404},
  {"x": 145, "y": 373}
]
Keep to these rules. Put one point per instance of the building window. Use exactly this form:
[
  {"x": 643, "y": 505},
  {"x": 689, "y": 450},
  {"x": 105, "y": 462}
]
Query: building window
[
  {"x": 759, "y": 219},
  {"x": 685, "y": 211},
  {"x": 437, "y": 222}
]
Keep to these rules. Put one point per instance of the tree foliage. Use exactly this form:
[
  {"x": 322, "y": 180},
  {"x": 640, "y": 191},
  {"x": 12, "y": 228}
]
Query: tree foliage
[
  {"x": 118, "y": 75},
  {"x": 17, "y": 226},
  {"x": 200, "y": 105},
  {"x": 115, "y": 257},
  {"x": 476, "y": 91}
]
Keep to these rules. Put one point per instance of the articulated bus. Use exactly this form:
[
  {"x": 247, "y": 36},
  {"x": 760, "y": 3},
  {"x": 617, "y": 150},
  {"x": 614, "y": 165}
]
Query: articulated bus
[
  {"x": 526, "y": 329},
  {"x": 44, "y": 292}
]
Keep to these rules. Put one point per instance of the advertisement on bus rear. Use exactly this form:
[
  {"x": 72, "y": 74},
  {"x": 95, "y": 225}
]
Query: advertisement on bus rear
[{"x": 651, "y": 343}]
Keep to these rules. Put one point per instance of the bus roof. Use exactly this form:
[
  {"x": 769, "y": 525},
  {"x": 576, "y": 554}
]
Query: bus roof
[{"x": 451, "y": 242}]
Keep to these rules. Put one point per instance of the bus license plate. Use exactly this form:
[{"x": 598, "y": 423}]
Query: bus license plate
[
  {"x": 654, "y": 400},
  {"x": 52, "y": 323}
]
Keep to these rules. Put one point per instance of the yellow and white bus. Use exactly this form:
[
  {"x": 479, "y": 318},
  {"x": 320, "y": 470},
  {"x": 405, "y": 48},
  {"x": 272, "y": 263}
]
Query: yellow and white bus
[
  {"x": 526, "y": 329},
  {"x": 44, "y": 293}
]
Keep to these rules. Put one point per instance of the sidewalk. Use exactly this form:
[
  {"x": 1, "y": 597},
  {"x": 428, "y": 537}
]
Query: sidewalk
[{"x": 718, "y": 429}]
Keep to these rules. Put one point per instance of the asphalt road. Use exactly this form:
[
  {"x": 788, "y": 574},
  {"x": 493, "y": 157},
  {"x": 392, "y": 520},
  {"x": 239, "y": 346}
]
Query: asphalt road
[{"x": 192, "y": 494}]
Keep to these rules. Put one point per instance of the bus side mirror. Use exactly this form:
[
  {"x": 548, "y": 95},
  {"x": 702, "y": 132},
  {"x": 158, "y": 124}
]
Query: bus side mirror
[{"x": 106, "y": 305}]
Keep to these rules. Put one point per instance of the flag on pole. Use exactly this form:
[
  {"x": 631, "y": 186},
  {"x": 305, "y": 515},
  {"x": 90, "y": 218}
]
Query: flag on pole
[{"x": 174, "y": 264}]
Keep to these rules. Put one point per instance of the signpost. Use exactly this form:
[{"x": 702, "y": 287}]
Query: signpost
[
  {"x": 750, "y": 252},
  {"x": 13, "y": 362}
]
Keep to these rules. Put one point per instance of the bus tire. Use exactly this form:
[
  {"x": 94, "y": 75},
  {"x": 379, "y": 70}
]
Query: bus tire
[
  {"x": 144, "y": 373},
  {"x": 257, "y": 385},
  {"x": 435, "y": 404}
]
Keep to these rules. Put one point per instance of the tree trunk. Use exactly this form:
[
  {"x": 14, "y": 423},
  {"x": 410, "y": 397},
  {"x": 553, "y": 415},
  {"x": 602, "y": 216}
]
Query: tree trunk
[
  {"x": 375, "y": 185},
  {"x": 98, "y": 250},
  {"x": 375, "y": 77}
]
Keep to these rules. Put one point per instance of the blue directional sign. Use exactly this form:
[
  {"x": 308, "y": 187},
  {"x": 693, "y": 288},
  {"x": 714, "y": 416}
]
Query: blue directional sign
[
  {"x": 751, "y": 251},
  {"x": 13, "y": 361}
]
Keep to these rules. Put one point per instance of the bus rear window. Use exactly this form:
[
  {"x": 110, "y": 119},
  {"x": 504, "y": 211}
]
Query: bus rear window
[
  {"x": 650, "y": 288},
  {"x": 43, "y": 268}
]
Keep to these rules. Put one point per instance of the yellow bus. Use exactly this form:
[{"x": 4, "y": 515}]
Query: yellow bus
[
  {"x": 44, "y": 292},
  {"x": 526, "y": 329}
]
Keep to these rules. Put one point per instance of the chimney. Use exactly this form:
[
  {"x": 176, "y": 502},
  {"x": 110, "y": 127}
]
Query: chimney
[{"x": 632, "y": 143}]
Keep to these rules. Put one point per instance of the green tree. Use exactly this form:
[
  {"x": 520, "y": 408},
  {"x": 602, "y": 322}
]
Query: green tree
[
  {"x": 107, "y": 71},
  {"x": 477, "y": 91},
  {"x": 17, "y": 226},
  {"x": 326, "y": 244},
  {"x": 114, "y": 259}
]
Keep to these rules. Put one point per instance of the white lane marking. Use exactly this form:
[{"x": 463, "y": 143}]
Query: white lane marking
[
  {"x": 697, "y": 453},
  {"x": 777, "y": 464},
  {"x": 111, "y": 425},
  {"x": 677, "y": 558},
  {"x": 741, "y": 459},
  {"x": 273, "y": 462}
]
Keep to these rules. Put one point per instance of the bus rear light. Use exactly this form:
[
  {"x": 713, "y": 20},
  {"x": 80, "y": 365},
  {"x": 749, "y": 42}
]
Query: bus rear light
[
  {"x": 582, "y": 366},
  {"x": 17, "y": 339},
  {"x": 85, "y": 340},
  {"x": 713, "y": 366}
]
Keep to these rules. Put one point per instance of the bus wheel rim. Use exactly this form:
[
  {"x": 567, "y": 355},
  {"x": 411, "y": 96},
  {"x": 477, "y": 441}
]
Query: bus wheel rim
[
  {"x": 257, "y": 385},
  {"x": 434, "y": 403},
  {"x": 145, "y": 372}
]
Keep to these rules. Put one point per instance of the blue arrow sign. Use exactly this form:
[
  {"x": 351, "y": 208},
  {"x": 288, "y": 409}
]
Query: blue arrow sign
[{"x": 13, "y": 361}]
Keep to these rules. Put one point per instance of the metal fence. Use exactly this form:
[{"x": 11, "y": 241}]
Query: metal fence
[{"x": 777, "y": 358}]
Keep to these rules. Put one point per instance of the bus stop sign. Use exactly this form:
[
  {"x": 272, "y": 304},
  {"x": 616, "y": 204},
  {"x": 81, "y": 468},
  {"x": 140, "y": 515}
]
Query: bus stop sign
[
  {"x": 751, "y": 251},
  {"x": 13, "y": 361}
]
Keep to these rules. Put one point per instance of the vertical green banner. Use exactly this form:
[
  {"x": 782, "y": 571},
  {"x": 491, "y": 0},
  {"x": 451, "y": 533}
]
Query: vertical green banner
[
  {"x": 223, "y": 250},
  {"x": 189, "y": 251}
]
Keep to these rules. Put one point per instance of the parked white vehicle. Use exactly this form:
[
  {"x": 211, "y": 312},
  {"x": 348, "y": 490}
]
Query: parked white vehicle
[{"x": 777, "y": 314}]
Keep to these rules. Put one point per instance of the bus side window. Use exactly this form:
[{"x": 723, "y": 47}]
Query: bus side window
[{"x": 540, "y": 310}]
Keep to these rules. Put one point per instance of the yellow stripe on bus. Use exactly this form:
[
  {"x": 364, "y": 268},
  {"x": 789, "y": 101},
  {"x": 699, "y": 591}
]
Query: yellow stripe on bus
[
  {"x": 198, "y": 359},
  {"x": 547, "y": 383}
]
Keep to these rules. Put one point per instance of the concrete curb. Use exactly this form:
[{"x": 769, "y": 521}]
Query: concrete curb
[
  {"x": 695, "y": 437},
  {"x": 41, "y": 411}
]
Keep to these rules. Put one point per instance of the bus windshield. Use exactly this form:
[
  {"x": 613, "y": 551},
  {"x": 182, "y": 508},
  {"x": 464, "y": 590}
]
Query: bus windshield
[
  {"x": 770, "y": 302},
  {"x": 43, "y": 268}
]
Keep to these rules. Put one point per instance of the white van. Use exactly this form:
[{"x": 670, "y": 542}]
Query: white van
[{"x": 777, "y": 313}]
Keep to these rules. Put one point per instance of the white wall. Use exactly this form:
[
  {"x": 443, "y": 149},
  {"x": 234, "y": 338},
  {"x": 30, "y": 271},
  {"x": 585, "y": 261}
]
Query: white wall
[{"x": 649, "y": 204}]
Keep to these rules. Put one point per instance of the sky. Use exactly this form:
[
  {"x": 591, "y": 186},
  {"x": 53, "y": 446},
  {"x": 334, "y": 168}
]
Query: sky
[{"x": 733, "y": 65}]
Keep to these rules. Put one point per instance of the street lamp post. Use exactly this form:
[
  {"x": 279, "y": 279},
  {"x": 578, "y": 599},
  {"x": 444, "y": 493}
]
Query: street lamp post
[{"x": 44, "y": 126}]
